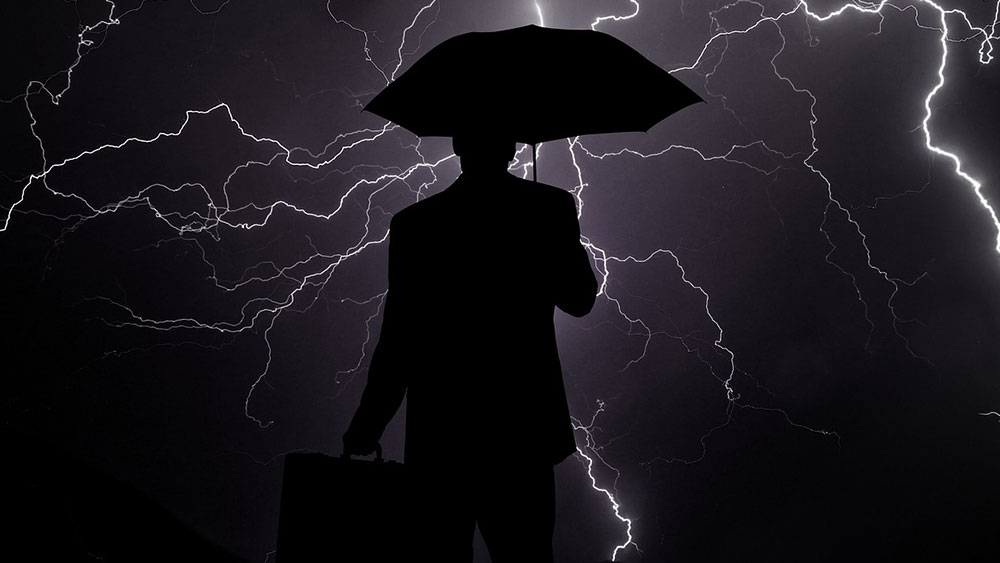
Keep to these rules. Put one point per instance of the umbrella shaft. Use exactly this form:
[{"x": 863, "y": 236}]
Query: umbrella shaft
[{"x": 534, "y": 167}]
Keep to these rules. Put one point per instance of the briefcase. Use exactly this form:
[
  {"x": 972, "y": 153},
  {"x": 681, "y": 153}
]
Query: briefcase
[{"x": 342, "y": 509}]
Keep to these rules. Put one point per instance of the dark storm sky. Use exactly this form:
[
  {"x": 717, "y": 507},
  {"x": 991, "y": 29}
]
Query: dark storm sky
[{"x": 182, "y": 309}]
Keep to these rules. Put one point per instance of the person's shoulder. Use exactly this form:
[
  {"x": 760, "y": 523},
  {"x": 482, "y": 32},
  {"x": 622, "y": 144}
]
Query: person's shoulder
[
  {"x": 420, "y": 215},
  {"x": 416, "y": 211},
  {"x": 543, "y": 192}
]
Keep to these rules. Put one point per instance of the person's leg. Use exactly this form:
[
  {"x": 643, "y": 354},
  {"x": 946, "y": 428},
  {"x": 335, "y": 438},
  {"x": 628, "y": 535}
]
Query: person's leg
[{"x": 515, "y": 510}]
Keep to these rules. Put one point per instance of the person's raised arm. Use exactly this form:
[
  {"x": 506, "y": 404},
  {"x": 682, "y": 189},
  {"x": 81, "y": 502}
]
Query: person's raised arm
[{"x": 575, "y": 286}]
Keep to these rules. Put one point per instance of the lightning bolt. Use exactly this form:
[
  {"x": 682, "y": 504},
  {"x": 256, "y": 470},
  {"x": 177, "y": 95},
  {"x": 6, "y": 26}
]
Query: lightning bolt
[
  {"x": 588, "y": 453},
  {"x": 301, "y": 280},
  {"x": 602, "y": 258}
]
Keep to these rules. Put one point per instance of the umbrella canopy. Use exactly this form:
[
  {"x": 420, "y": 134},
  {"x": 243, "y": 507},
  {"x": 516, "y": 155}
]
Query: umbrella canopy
[{"x": 532, "y": 84}]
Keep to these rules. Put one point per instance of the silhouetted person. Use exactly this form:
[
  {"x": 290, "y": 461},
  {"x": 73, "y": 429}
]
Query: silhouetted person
[{"x": 467, "y": 336}]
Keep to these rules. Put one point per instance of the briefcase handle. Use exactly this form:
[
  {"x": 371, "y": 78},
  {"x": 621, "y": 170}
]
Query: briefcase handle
[{"x": 378, "y": 453}]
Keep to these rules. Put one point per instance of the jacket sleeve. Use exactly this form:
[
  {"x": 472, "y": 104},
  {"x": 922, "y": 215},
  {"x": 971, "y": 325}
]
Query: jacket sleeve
[
  {"x": 575, "y": 288},
  {"x": 387, "y": 383}
]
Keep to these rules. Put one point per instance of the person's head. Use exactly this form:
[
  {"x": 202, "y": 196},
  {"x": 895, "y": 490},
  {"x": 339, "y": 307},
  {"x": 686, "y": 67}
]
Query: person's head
[{"x": 484, "y": 153}]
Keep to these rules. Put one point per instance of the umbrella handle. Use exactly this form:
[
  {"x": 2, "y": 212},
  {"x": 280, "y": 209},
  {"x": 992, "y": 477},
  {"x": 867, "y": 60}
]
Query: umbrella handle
[{"x": 534, "y": 167}]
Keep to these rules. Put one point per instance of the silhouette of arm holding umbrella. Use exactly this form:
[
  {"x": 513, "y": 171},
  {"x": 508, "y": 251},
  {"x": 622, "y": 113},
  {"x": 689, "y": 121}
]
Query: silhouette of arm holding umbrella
[{"x": 574, "y": 285}]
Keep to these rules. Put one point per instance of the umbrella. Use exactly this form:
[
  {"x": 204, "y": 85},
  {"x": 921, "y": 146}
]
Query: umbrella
[{"x": 532, "y": 84}]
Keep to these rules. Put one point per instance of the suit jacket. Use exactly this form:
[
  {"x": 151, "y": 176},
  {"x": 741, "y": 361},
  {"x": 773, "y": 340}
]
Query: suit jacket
[{"x": 467, "y": 332}]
